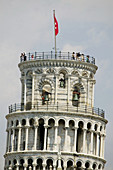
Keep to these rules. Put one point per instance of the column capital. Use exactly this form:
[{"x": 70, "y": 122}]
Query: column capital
[{"x": 25, "y": 165}]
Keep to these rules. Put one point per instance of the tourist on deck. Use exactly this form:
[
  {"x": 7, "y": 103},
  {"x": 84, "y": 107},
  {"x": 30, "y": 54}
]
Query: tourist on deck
[
  {"x": 73, "y": 55},
  {"x": 78, "y": 56},
  {"x": 87, "y": 58}
]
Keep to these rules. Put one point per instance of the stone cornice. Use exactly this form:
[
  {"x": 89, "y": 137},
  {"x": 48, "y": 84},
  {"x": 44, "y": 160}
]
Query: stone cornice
[
  {"x": 58, "y": 63},
  {"x": 66, "y": 113}
]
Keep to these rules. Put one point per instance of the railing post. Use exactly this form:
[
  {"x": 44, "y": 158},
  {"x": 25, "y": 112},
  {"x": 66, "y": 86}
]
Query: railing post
[
  {"x": 92, "y": 110},
  {"x": 29, "y": 56},
  {"x": 9, "y": 110},
  {"x": 35, "y": 55},
  {"x": 57, "y": 106},
  {"x": 68, "y": 55},
  {"x": 85, "y": 108},
  {"x": 67, "y": 106},
  {"x": 98, "y": 111},
  {"x": 51, "y": 54},
  {"x": 15, "y": 107},
  {"x": 43, "y": 55},
  {"x": 47, "y": 105}
]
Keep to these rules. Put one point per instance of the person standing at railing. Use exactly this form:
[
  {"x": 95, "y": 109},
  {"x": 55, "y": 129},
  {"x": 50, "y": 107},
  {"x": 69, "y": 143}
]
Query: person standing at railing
[
  {"x": 87, "y": 59},
  {"x": 73, "y": 55},
  {"x": 23, "y": 57}
]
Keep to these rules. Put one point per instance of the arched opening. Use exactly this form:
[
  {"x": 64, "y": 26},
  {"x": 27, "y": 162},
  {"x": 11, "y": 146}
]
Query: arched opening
[
  {"x": 87, "y": 165},
  {"x": 46, "y": 94},
  {"x": 75, "y": 96},
  {"x": 41, "y": 130},
  {"x": 17, "y": 123},
  {"x": 21, "y": 166},
  {"x": 62, "y": 80},
  {"x": 16, "y": 139},
  {"x": 31, "y": 122},
  {"x": 79, "y": 147},
  {"x": 11, "y": 123},
  {"x": 100, "y": 166},
  {"x": 39, "y": 164},
  {"x": 51, "y": 134},
  {"x": 61, "y": 134},
  {"x": 49, "y": 164},
  {"x": 14, "y": 164},
  {"x": 79, "y": 165},
  {"x": 23, "y": 122},
  {"x": 30, "y": 164},
  {"x": 94, "y": 166},
  {"x": 95, "y": 127},
  {"x": 69, "y": 165}
]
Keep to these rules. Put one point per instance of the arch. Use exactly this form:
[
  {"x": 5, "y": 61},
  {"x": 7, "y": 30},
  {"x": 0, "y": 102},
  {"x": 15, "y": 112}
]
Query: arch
[
  {"x": 99, "y": 166},
  {"x": 79, "y": 164},
  {"x": 61, "y": 118},
  {"x": 23, "y": 122},
  {"x": 39, "y": 164},
  {"x": 87, "y": 164},
  {"x": 11, "y": 122},
  {"x": 43, "y": 82},
  {"x": 31, "y": 122},
  {"x": 30, "y": 163},
  {"x": 89, "y": 126},
  {"x": 79, "y": 145},
  {"x": 49, "y": 163},
  {"x": 95, "y": 127},
  {"x": 63, "y": 70},
  {"x": 46, "y": 93},
  {"x": 70, "y": 165},
  {"x": 51, "y": 122},
  {"x": 41, "y": 131},
  {"x": 71, "y": 123},
  {"x": 16, "y": 123},
  {"x": 14, "y": 162},
  {"x": 29, "y": 73},
  {"x": 75, "y": 96},
  {"x": 75, "y": 73},
  {"x": 85, "y": 74},
  {"x": 94, "y": 165}
]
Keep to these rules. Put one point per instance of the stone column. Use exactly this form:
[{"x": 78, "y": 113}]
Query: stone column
[
  {"x": 101, "y": 141},
  {"x": 25, "y": 93},
  {"x": 92, "y": 142},
  {"x": 34, "y": 166},
  {"x": 56, "y": 86},
  {"x": 25, "y": 166},
  {"x": 33, "y": 77},
  {"x": 84, "y": 140},
  {"x": 54, "y": 167},
  {"x": 13, "y": 140},
  {"x": 19, "y": 138},
  {"x": 56, "y": 133},
  {"x": 66, "y": 129},
  {"x": 103, "y": 146},
  {"x": 44, "y": 166},
  {"x": 9, "y": 143},
  {"x": 17, "y": 167},
  {"x": 35, "y": 141},
  {"x": 68, "y": 92},
  {"x": 75, "y": 139},
  {"x": 97, "y": 145},
  {"x": 45, "y": 137},
  {"x": 26, "y": 144}
]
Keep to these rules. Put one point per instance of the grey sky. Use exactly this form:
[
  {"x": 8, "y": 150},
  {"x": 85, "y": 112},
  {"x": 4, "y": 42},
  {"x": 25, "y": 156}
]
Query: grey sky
[{"x": 85, "y": 26}]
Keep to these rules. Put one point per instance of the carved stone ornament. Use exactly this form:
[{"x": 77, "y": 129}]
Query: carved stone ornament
[
  {"x": 39, "y": 71},
  {"x": 50, "y": 71}
]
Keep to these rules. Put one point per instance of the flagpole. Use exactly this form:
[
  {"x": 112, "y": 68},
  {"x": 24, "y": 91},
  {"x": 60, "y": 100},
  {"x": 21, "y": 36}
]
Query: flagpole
[{"x": 54, "y": 32}]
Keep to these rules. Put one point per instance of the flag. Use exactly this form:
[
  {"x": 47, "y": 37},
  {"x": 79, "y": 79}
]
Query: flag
[{"x": 55, "y": 25}]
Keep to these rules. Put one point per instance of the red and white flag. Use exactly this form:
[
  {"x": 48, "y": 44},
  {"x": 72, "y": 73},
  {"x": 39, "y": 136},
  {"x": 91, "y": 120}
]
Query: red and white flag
[{"x": 55, "y": 25}]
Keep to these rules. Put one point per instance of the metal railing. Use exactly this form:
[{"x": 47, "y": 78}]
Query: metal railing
[
  {"x": 56, "y": 56},
  {"x": 81, "y": 108}
]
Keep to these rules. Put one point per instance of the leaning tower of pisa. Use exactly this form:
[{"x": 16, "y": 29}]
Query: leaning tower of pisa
[{"x": 56, "y": 125}]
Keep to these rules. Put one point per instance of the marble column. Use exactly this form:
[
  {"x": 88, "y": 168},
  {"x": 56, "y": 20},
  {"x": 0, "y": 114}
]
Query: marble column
[
  {"x": 92, "y": 142},
  {"x": 66, "y": 130},
  {"x": 33, "y": 78},
  {"x": 34, "y": 166},
  {"x": 13, "y": 139},
  {"x": 19, "y": 138},
  {"x": 56, "y": 133},
  {"x": 45, "y": 137},
  {"x": 26, "y": 143},
  {"x": 9, "y": 145},
  {"x": 35, "y": 141},
  {"x": 84, "y": 140},
  {"x": 97, "y": 145},
  {"x": 68, "y": 90},
  {"x": 75, "y": 139},
  {"x": 56, "y": 86},
  {"x": 44, "y": 166},
  {"x": 25, "y": 93}
]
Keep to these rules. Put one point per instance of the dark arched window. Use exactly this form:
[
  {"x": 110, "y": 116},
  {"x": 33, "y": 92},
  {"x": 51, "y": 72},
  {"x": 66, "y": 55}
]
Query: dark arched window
[{"x": 75, "y": 96}]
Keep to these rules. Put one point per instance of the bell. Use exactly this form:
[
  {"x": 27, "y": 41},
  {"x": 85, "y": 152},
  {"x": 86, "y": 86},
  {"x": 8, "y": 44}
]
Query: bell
[
  {"x": 46, "y": 97},
  {"x": 62, "y": 84},
  {"x": 75, "y": 97}
]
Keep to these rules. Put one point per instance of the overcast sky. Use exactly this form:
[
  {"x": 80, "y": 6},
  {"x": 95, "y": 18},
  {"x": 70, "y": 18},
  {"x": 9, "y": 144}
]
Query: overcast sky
[{"x": 85, "y": 26}]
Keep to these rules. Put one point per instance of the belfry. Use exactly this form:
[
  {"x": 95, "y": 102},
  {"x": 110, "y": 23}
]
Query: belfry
[{"x": 56, "y": 125}]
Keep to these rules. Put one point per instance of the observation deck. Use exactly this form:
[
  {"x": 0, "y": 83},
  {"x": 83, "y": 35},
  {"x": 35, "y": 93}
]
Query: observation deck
[{"x": 56, "y": 56}]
